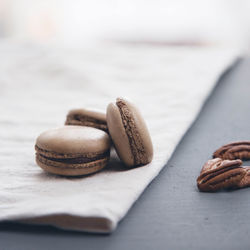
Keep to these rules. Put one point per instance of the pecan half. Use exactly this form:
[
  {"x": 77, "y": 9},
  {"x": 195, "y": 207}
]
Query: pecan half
[
  {"x": 219, "y": 174},
  {"x": 235, "y": 150},
  {"x": 245, "y": 181}
]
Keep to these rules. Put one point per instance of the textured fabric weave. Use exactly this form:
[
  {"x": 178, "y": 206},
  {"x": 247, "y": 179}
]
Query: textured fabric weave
[{"x": 39, "y": 85}]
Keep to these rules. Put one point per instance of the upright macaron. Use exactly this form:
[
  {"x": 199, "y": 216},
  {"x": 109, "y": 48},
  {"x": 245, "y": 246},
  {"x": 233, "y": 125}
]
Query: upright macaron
[
  {"x": 86, "y": 117},
  {"x": 129, "y": 133},
  {"x": 72, "y": 150}
]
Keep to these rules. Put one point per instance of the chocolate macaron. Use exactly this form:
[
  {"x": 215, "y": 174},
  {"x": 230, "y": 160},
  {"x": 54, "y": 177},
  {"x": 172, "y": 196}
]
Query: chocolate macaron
[
  {"x": 85, "y": 117},
  {"x": 129, "y": 133},
  {"x": 72, "y": 150}
]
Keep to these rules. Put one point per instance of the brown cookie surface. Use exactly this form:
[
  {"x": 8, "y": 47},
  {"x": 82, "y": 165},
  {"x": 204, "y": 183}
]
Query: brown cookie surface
[
  {"x": 129, "y": 133},
  {"x": 72, "y": 150},
  {"x": 85, "y": 117}
]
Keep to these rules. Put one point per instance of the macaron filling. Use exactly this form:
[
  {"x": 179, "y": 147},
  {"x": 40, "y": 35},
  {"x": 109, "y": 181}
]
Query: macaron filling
[
  {"x": 136, "y": 145},
  {"x": 76, "y": 160}
]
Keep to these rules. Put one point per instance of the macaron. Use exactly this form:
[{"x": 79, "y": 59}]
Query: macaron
[
  {"x": 72, "y": 150},
  {"x": 85, "y": 117},
  {"x": 129, "y": 133}
]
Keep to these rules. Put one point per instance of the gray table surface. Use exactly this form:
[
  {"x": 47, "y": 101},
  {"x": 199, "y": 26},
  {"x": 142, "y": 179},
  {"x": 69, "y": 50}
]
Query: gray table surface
[{"x": 172, "y": 213}]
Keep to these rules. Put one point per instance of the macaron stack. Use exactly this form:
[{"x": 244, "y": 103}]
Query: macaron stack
[{"x": 82, "y": 146}]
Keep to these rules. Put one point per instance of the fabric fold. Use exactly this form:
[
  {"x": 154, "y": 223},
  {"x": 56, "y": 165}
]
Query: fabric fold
[{"x": 39, "y": 85}]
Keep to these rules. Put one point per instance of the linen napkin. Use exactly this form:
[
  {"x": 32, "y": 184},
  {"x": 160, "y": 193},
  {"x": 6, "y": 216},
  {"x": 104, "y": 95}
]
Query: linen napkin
[{"x": 38, "y": 85}]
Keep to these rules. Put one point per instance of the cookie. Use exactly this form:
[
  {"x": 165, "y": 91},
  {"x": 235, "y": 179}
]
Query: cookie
[
  {"x": 85, "y": 117},
  {"x": 72, "y": 150},
  {"x": 129, "y": 133}
]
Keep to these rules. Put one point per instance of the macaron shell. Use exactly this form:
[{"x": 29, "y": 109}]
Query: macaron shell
[
  {"x": 118, "y": 134},
  {"x": 84, "y": 117},
  {"x": 78, "y": 170},
  {"x": 74, "y": 140},
  {"x": 142, "y": 130},
  {"x": 88, "y": 113}
]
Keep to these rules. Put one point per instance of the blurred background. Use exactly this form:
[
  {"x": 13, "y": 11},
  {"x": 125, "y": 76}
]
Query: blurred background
[{"x": 72, "y": 23}]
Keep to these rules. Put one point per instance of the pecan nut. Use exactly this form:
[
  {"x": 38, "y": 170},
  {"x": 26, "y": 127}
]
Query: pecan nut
[
  {"x": 234, "y": 150},
  {"x": 245, "y": 181},
  {"x": 219, "y": 174}
]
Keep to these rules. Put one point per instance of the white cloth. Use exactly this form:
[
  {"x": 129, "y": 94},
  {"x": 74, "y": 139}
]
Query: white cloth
[{"x": 39, "y": 85}]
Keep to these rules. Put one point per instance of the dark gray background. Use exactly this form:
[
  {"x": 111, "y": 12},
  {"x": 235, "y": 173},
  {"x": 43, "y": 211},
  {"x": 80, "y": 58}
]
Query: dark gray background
[{"x": 172, "y": 214}]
